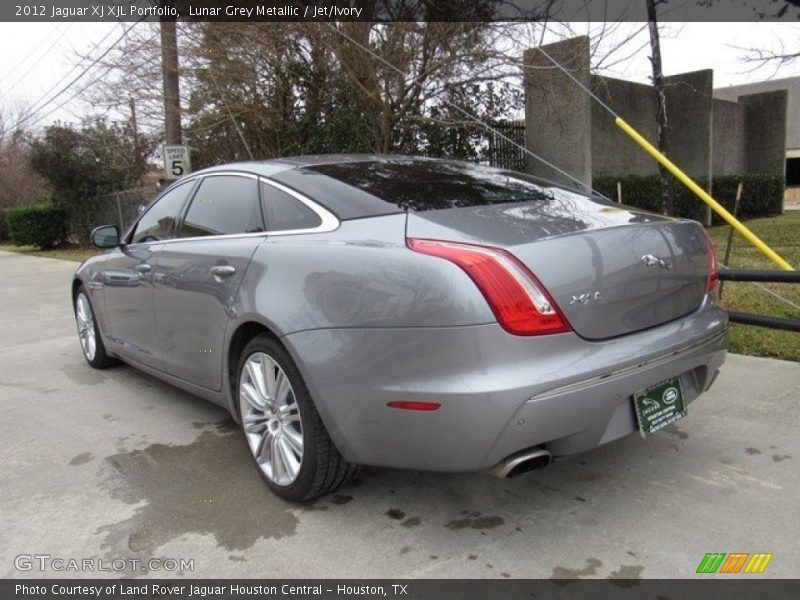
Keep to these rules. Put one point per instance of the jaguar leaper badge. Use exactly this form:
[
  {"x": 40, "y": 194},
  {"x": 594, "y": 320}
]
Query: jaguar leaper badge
[{"x": 650, "y": 260}]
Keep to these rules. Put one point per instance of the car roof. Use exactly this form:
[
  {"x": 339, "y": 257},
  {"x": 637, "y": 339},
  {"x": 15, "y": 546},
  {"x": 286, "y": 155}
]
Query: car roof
[{"x": 276, "y": 165}]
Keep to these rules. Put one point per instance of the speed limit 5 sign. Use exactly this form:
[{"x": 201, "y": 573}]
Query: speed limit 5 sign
[{"x": 176, "y": 161}]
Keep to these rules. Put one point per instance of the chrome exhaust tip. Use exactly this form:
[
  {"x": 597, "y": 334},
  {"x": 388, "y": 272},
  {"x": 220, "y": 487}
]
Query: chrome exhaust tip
[{"x": 522, "y": 463}]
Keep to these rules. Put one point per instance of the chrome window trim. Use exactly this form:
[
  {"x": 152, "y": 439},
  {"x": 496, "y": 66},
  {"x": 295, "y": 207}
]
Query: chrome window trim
[{"x": 329, "y": 222}]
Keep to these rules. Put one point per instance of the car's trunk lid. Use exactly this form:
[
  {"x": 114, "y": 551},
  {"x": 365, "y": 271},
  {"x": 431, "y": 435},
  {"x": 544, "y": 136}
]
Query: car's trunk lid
[{"x": 611, "y": 269}]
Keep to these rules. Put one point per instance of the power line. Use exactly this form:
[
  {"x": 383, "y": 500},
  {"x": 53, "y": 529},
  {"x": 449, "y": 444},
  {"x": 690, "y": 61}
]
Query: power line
[
  {"x": 66, "y": 75},
  {"x": 75, "y": 79},
  {"x": 35, "y": 64},
  {"x": 576, "y": 81}
]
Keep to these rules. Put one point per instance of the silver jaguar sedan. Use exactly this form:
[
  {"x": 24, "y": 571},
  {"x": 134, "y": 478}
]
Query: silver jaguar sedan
[{"x": 406, "y": 312}]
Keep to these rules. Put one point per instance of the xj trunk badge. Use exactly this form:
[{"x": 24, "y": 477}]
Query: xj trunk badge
[
  {"x": 584, "y": 299},
  {"x": 650, "y": 260}
]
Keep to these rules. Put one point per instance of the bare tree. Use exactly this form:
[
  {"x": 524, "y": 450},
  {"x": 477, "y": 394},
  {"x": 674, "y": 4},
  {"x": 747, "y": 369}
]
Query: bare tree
[
  {"x": 662, "y": 120},
  {"x": 19, "y": 183},
  {"x": 780, "y": 54}
]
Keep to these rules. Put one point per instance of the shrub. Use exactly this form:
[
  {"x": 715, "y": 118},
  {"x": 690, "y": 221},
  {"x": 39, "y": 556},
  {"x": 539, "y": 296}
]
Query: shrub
[
  {"x": 4, "y": 235},
  {"x": 41, "y": 225},
  {"x": 762, "y": 194}
]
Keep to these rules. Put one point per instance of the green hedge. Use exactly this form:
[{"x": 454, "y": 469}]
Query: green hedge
[
  {"x": 41, "y": 225},
  {"x": 762, "y": 195},
  {"x": 4, "y": 234}
]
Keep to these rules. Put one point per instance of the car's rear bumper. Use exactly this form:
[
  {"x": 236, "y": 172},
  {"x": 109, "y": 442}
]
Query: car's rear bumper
[{"x": 499, "y": 393}]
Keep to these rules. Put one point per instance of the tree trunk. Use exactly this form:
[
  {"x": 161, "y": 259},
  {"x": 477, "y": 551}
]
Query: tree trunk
[
  {"x": 169, "y": 67},
  {"x": 661, "y": 106}
]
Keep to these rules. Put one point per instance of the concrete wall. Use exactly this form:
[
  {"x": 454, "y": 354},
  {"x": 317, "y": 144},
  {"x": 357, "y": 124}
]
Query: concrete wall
[
  {"x": 613, "y": 153},
  {"x": 707, "y": 135},
  {"x": 689, "y": 110},
  {"x": 765, "y": 131},
  {"x": 792, "y": 87},
  {"x": 689, "y": 107},
  {"x": 729, "y": 157},
  {"x": 558, "y": 112}
]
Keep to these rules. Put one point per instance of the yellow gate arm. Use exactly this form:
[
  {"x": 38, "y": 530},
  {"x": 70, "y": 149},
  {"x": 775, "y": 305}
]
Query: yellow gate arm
[{"x": 703, "y": 195}]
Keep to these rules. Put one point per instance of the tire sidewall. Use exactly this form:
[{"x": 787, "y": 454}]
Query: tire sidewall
[{"x": 300, "y": 487}]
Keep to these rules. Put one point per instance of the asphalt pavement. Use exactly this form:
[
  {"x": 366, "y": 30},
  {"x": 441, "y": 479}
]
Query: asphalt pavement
[{"x": 115, "y": 465}]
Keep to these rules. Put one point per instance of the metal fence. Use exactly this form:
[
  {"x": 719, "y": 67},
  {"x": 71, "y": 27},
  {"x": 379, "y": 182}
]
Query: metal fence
[
  {"x": 502, "y": 153},
  {"x": 119, "y": 208}
]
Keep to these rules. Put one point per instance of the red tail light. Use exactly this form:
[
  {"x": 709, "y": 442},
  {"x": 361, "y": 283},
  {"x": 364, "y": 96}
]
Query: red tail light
[
  {"x": 713, "y": 270},
  {"x": 519, "y": 302}
]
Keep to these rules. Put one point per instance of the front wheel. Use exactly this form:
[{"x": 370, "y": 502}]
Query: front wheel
[
  {"x": 284, "y": 432},
  {"x": 88, "y": 333}
]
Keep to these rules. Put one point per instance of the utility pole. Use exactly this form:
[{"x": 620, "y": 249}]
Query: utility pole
[
  {"x": 661, "y": 105},
  {"x": 138, "y": 150},
  {"x": 169, "y": 69}
]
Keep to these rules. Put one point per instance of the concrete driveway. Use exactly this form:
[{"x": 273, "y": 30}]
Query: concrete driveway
[{"x": 115, "y": 464}]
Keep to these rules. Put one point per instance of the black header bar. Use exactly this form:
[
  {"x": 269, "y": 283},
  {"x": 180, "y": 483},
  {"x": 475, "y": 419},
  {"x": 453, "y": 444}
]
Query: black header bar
[{"x": 396, "y": 10}]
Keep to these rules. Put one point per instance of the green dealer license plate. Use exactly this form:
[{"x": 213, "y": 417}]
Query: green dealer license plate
[{"x": 659, "y": 405}]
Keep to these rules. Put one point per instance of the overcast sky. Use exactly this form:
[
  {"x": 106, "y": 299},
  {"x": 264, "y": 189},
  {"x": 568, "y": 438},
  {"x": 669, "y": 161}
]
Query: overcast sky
[{"x": 37, "y": 55}]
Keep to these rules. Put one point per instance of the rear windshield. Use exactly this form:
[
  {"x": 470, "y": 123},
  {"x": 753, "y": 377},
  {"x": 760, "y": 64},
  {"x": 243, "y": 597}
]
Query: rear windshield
[{"x": 420, "y": 184}]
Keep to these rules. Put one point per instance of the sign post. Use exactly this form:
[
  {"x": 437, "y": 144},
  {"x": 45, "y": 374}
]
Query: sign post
[{"x": 177, "y": 162}]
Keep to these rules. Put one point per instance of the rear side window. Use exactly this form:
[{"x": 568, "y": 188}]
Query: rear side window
[
  {"x": 158, "y": 223},
  {"x": 284, "y": 212},
  {"x": 420, "y": 185},
  {"x": 224, "y": 204}
]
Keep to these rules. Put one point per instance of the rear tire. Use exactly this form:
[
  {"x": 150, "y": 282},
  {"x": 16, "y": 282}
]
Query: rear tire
[
  {"x": 94, "y": 351},
  {"x": 284, "y": 433}
]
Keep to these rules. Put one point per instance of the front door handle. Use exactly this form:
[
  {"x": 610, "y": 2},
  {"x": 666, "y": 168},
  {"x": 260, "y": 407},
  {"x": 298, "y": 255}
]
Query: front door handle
[
  {"x": 143, "y": 268},
  {"x": 223, "y": 270}
]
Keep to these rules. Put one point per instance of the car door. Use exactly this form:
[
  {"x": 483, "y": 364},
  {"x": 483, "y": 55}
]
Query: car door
[
  {"x": 198, "y": 275},
  {"x": 127, "y": 278}
]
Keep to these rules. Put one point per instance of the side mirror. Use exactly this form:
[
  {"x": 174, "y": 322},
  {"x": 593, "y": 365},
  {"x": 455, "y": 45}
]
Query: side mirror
[{"x": 105, "y": 236}]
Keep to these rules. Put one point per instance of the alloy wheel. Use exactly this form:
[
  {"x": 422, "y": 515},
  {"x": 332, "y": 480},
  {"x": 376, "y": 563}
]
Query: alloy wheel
[
  {"x": 271, "y": 418},
  {"x": 86, "y": 329}
]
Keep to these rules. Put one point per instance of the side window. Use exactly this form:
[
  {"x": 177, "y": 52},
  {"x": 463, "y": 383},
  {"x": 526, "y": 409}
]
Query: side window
[
  {"x": 158, "y": 223},
  {"x": 224, "y": 204},
  {"x": 284, "y": 212}
]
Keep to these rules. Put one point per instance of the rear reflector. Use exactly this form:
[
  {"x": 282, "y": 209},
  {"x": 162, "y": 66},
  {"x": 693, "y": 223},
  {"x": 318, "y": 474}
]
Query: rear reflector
[
  {"x": 713, "y": 268},
  {"x": 518, "y": 300},
  {"x": 413, "y": 405}
]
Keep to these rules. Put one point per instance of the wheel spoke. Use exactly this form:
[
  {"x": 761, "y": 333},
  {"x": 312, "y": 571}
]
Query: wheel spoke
[
  {"x": 282, "y": 389},
  {"x": 257, "y": 377},
  {"x": 269, "y": 378},
  {"x": 290, "y": 461},
  {"x": 253, "y": 397},
  {"x": 82, "y": 309},
  {"x": 293, "y": 417},
  {"x": 255, "y": 424},
  {"x": 294, "y": 440},
  {"x": 278, "y": 469},
  {"x": 263, "y": 444}
]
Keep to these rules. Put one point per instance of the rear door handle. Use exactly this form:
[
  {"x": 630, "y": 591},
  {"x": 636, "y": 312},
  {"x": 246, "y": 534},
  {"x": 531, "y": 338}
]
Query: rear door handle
[
  {"x": 143, "y": 268},
  {"x": 223, "y": 270}
]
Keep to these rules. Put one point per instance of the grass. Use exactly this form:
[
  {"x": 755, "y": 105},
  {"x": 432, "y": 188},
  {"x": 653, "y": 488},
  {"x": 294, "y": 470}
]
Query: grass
[
  {"x": 782, "y": 234},
  {"x": 75, "y": 253}
]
